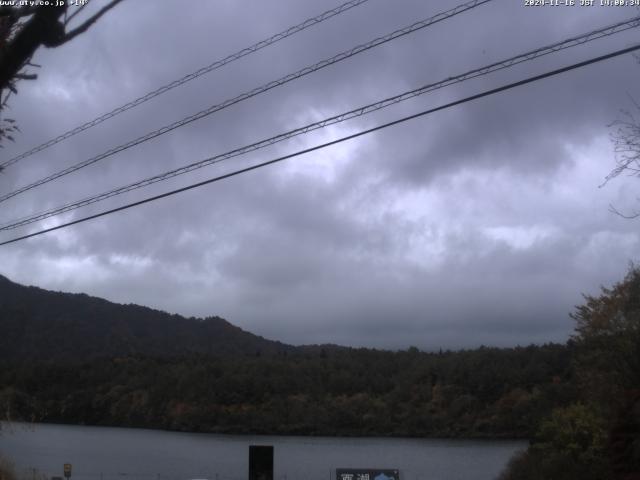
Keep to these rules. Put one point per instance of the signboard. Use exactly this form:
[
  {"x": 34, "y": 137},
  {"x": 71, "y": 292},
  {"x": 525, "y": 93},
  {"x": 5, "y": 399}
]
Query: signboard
[
  {"x": 366, "y": 474},
  {"x": 260, "y": 462},
  {"x": 67, "y": 470}
]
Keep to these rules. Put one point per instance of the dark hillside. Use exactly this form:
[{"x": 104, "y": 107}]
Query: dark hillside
[
  {"x": 72, "y": 358},
  {"x": 38, "y": 324}
]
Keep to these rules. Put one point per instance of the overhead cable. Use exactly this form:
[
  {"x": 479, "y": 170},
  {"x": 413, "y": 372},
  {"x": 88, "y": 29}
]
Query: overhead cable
[
  {"x": 256, "y": 91},
  {"x": 187, "y": 78},
  {"x": 496, "y": 66},
  {"x": 333, "y": 142}
]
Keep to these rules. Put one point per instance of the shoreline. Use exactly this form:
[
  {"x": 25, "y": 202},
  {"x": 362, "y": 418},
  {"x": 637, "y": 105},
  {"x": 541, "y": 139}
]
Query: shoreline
[{"x": 4, "y": 424}]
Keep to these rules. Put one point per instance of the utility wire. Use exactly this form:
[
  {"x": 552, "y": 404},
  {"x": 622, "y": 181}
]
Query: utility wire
[
  {"x": 191, "y": 76},
  {"x": 486, "y": 93},
  {"x": 256, "y": 91},
  {"x": 507, "y": 63}
]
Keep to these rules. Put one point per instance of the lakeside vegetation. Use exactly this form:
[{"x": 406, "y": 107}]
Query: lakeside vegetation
[
  {"x": 578, "y": 403},
  {"x": 597, "y": 436},
  {"x": 8, "y": 471},
  {"x": 493, "y": 393}
]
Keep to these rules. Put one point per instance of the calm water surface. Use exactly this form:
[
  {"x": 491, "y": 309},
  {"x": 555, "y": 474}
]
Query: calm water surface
[{"x": 100, "y": 453}]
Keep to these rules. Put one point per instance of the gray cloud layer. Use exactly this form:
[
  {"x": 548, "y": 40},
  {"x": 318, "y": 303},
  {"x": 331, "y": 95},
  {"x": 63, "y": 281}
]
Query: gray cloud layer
[{"x": 482, "y": 224}]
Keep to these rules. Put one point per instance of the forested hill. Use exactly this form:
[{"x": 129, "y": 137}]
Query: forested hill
[
  {"x": 37, "y": 324},
  {"x": 487, "y": 392},
  {"x": 72, "y": 358},
  {"x": 126, "y": 365}
]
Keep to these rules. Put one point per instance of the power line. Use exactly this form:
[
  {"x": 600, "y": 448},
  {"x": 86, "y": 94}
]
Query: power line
[
  {"x": 507, "y": 63},
  {"x": 256, "y": 91},
  {"x": 334, "y": 142},
  {"x": 309, "y": 22}
]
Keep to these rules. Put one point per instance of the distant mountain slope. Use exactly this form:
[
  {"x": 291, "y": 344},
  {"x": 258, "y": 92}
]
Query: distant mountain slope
[{"x": 38, "y": 324}]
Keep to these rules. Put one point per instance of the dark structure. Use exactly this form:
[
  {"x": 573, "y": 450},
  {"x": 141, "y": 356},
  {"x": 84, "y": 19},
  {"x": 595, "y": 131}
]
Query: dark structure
[{"x": 260, "y": 462}]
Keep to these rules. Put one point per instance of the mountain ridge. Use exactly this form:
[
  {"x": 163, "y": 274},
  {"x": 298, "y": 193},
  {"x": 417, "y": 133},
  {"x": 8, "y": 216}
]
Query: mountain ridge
[{"x": 41, "y": 324}]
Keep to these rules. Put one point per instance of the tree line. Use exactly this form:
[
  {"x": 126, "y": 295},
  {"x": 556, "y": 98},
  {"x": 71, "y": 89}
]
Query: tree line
[{"x": 486, "y": 392}]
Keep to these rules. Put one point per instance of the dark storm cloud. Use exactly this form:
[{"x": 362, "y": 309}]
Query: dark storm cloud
[{"x": 477, "y": 225}]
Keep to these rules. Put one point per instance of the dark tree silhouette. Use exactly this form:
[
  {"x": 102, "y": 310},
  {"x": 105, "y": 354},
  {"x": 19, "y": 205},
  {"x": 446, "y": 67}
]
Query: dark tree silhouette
[{"x": 24, "y": 29}]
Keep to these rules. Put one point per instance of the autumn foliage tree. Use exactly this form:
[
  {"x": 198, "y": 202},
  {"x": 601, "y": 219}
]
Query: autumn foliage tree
[
  {"x": 597, "y": 437},
  {"x": 608, "y": 366},
  {"x": 608, "y": 341}
]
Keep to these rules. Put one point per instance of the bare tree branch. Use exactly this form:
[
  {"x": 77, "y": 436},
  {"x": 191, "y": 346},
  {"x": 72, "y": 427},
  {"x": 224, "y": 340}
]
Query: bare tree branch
[
  {"x": 42, "y": 28},
  {"x": 631, "y": 216},
  {"x": 90, "y": 21},
  {"x": 19, "y": 12},
  {"x": 626, "y": 144},
  {"x": 78, "y": 10},
  {"x": 26, "y": 76},
  {"x": 22, "y": 31}
]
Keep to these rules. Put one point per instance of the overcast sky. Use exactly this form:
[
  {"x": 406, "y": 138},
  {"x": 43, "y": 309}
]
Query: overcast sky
[{"x": 480, "y": 224}]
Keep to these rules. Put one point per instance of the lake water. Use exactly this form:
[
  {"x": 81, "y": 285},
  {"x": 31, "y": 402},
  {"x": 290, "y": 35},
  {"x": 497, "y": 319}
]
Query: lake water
[{"x": 100, "y": 453}]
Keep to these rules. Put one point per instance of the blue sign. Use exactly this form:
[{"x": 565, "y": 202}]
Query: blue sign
[{"x": 366, "y": 474}]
